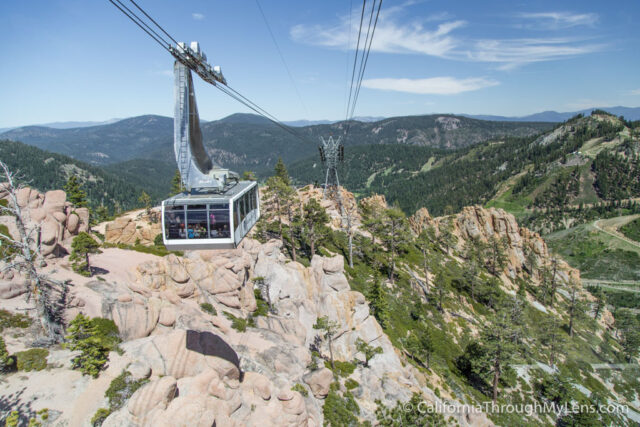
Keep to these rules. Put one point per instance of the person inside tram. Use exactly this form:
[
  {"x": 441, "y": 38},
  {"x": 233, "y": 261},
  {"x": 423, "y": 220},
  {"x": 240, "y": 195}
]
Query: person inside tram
[{"x": 176, "y": 226}]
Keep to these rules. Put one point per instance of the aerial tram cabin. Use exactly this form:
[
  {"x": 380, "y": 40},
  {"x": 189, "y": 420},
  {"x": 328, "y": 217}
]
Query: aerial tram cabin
[
  {"x": 210, "y": 221},
  {"x": 216, "y": 210}
]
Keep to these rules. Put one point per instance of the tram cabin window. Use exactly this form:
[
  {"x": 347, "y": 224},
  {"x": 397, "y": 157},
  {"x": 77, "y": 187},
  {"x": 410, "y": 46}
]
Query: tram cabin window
[
  {"x": 197, "y": 224},
  {"x": 219, "y": 221},
  {"x": 174, "y": 221}
]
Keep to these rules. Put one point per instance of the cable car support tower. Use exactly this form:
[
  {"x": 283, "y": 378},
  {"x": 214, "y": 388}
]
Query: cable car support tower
[{"x": 331, "y": 154}]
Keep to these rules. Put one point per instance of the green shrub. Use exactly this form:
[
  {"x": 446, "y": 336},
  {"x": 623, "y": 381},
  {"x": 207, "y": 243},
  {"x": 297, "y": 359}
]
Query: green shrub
[
  {"x": 99, "y": 417},
  {"x": 82, "y": 246},
  {"x": 10, "y": 320},
  {"x": 340, "y": 410},
  {"x": 7, "y": 362},
  {"x": 342, "y": 369},
  {"x": 157, "y": 241},
  {"x": 12, "y": 419},
  {"x": 239, "y": 324},
  {"x": 94, "y": 338},
  {"x": 108, "y": 332},
  {"x": 301, "y": 389},
  {"x": 34, "y": 359},
  {"x": 263, "y": 307},
  {"x": 120, "y": 390},
  {"x": 208, "y": 308},
  {"x": 351, "y": 384}
]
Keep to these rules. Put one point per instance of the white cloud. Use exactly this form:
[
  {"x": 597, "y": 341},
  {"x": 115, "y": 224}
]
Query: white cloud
[
  {"x": 443, "y": 40},
  {"x": 635, "y": 92},
  {"x": 558, "y": 20},
  {"x": 197, "y": 16},
  {"x": 390, "y": 37},
  {"x": 430, "y": 86},
  {"x": 515, "y": 52}
]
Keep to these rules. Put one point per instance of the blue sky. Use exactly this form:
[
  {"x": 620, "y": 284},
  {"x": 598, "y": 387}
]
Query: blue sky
[{"x": 79, "y": 60}]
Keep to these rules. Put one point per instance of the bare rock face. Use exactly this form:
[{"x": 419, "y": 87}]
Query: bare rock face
[
  {"x": 223, "y": 277},
  {"x": 56, "y": 218},
  {"x": 131, "y": 230},
  {"x": 334, "y": 210},
  {"x": 475, "y": 223},
  {"x": 420, "y": 220},
  {"x": 319, "y": 382},
  {"x": 374, "y": 203}
]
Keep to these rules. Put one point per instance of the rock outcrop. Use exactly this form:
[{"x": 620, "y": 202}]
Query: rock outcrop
[
  {"x": 202, "y": 369},
  {"x": 476, "y": 223},
  {"x": 54, "y": 218},
  {"x": 131, "y": 230}
]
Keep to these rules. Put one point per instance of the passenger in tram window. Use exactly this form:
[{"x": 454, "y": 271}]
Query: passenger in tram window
[{"x": 225, "y": 231}]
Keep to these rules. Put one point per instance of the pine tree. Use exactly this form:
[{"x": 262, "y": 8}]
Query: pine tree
[
  {"x": 281, "y": 172},
  {"x": 83, "y": 245},
  {"x": 576, "y": 304},
  {"x": 329, "y": 329},
  {"x": 145, "y": 199},
  {"x": 313, "y": 223},
  {"x": 601, "y": 300},
  {"x": 442, "y": 284},
  {"x": 499, "y": 347},
  {"x": 367, "y": 350},
  {"x": 497, "y": 258},
  {"x": 424, "y": 242},
  {"x": 446, "y": 238},
  {"x": 75, "y": 194},
  {"x": 84, "y": 336},
  {"x": 378, "y": 302},
  {"x": 420, "y": 345},
  {"x": 176, "y": 184}
]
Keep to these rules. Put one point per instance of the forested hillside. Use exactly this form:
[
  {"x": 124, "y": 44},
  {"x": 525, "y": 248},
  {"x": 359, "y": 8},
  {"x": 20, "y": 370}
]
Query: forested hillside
[
  {"x": 584, "y": 161},
  {"x": 249, "y": 142},
  {"x": 49, "y": 171}
]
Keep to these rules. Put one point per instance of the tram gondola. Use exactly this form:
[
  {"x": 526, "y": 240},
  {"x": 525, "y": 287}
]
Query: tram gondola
[{"x": 216, "y": 210}]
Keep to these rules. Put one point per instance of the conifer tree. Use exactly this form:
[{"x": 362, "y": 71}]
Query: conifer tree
[
  {"x": 313, "y": 223},
  {"x": 145, "y": 199},
  {"x": 445, "y": 236},
  {"x": 75, "y": 194},
  {"x": 367, "y": 350},
  {"x": 420, "y": 345},
  {"x": 378, "y": 302},
  {"x": 497, "y": 258},
  {"x": 576, "y": 304},
  {"x": 281, "y": 172},
  {"x": 424, "y": 242},
  {"x": 84, "y": 336},
  {"x": 499, "y": 347},
  {"x": 83, "y": 245},
  {"x": 329, "y": 329},
  {"x": 176, "y": 184}
]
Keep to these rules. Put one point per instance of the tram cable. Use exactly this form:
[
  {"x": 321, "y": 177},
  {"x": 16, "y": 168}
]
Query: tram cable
[{"x": 224, "y": 88}]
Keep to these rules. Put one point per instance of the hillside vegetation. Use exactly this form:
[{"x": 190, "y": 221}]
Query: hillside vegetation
[
  {"x": 51, "y": 171},
  {"x": 248, "y": 142},
  {"x": 585, "y": 161}
]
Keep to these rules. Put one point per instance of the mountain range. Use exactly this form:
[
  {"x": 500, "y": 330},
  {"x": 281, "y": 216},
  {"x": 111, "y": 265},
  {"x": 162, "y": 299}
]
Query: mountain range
[{"x": 250, "y": 142}]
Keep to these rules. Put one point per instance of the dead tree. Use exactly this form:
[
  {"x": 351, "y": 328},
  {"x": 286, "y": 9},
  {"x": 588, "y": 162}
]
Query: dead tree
[{"x": 49, "y": 295}]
